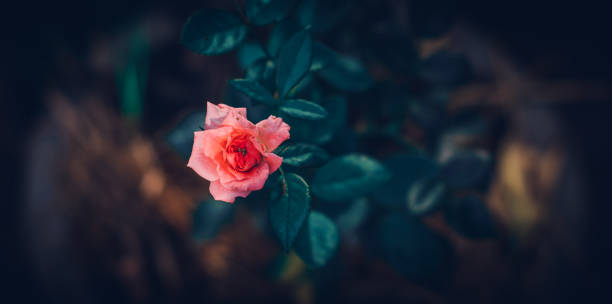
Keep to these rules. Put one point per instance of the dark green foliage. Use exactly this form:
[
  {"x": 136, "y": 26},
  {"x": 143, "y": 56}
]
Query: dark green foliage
[
  {"x": 288, "y": 208},
  {"x": 318, "y": 240},
  {"x": 414, "y": 250},
  {"x": 320, "y": 131},
  {"x": 299, "y": 155},
  {"x": 322, "y": 56},
  {"x": 280, "y": 34},
  {"x": 346, "y": 73},
  {"x": 262, "y": 71},
  {"x": 253, "y": 90},
  {"x": 426, "y": 195},
  {"x": 322, "y": 15},
  {"x": 300, "y": 108},
  {"x": 262, "y": 12},
  {"x": 293, "y": 62},
  {"x": 132, "y": 76},
  {"x": 406, "y": 169},
  {"x": 213, "y": 31},
  {"x": 249, "y": 53},
  {"x": 349, "y": 176}
]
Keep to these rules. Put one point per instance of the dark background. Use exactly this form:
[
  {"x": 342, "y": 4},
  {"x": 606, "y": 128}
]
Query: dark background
[{"x": 567, "y": 39}]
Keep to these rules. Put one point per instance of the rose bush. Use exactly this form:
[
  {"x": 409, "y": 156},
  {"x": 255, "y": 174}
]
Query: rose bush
[{"x": 234, "y": 154}]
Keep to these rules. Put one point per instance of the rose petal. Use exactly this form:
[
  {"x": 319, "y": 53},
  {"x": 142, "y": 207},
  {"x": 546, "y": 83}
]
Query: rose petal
[
  {"x": 213, "y": 141},
  {"x": 215, "y": 114},
  {"x": 220, "y": 193},
  {"x": 255, "y": 179},
  {"x": 273, "y": 160},
  {"x": 272, "y": 132},
  {"x": 239, "y": 122},
  {"x": 200, "y": 163}
]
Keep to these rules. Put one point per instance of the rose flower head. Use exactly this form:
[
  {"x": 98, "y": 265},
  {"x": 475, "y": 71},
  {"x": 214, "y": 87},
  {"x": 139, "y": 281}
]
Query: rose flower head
[{"x": 234, "y": 154}]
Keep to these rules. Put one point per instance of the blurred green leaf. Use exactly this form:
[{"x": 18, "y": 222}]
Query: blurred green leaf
[
  {"x": 322, "y": 55},
  {"x": 426, "y": 196},
  {"x": 427, "y": 113},
  {"x": 352, "y": 217},
  {"x": 253, "y": 90},
  {"x": 132, "y": 76},
  {"x": 304, "y": 109},
  {"x": 212, "y": 32},
  {"x": 466, "y": 169},
  {"x": 293, "y": 62},
  {"x": 299, "y": 155},
  {"x": 348, "y": 177},
  {"x": 346, "y": 73},
  {"x": 406, "y": 169},
  {"x": 470, "y": 217},
  {"x": 249, "y": 53},
  {"x": 261, "y": 12},
  {"x": 322, "y": 15},
  {"x": 262, "y": 71},
  {"x": 180, "y": 138},
  {"x": 318, "y": 240},
  {"x": 289, "y": 208},
  {"x": 209, "y": 217},
  {"x": 414, "y": 250}
]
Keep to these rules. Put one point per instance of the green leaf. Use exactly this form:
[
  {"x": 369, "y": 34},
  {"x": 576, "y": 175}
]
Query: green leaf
[
  {"x": 348, "y": 177},
  {"x": 467, "y": 170},
  {"x": 426, "y": 196},
  {"x": 321, "y": 56},
  {"x": 253, "y": 90},
  {"x": 406, "y": 169},
  {"x": 288, "y": 209},
  {"x": 262, "y": 12},
  {"x": 280, "y": 34},
  {"x": 352, "y": 217},
  {"x": 322, "y": 15},
  {"x": 299, "y": 155},
  {"x": 249, "y": 53},
  {"x": 320, "y": 131},
  {"x": 209, "y": 217},
  {"x": 414, "y": 250},
  {"x": 180, "y": 138},
  {"x": 212, "y": 32},
  {"x": 293, "y": 62},
  {"x": 470, "y": 217},
  {"x": 318, "y": 240},
  {"x": 304, "y": 109},
  {"x": 262, "y": 71},
  {"x": 346, "y": 73}
]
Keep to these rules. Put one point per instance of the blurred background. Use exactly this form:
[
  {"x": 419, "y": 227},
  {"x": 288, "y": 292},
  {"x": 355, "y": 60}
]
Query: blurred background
[{"x": 98, "y": 206}]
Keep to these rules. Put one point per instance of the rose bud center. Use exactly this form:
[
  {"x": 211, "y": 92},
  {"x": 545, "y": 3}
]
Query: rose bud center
[{"x": 242, "y": 154}]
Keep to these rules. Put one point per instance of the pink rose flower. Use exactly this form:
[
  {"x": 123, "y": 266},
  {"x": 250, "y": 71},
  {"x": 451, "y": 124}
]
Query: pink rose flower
[{"x": 234, "y": 154}]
